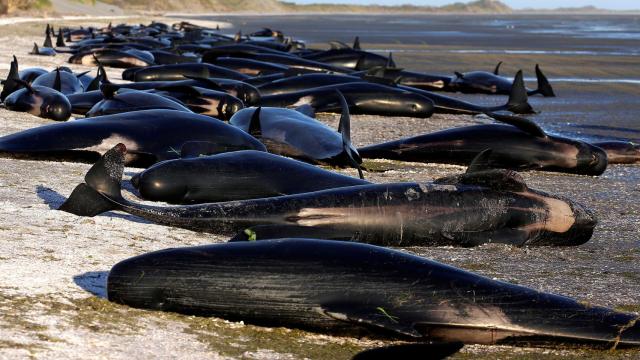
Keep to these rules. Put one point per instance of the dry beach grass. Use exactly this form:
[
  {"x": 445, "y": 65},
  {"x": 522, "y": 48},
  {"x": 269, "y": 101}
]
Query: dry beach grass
[{"x": 53, "y": 265}]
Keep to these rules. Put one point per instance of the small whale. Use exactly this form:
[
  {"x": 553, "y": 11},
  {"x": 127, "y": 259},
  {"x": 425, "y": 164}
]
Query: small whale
[
  {"x": 237, "y": 175},
  {"x": 152, "y": 136},
  {"x": 115, "y": 102},
  {"x": 40, "y": 101},
  {"x": 291, "y": 133},
  {"x": 520, "y": 146}
]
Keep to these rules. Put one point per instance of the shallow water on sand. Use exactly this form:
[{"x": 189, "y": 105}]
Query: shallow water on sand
[{"x": 592, "y": 61}]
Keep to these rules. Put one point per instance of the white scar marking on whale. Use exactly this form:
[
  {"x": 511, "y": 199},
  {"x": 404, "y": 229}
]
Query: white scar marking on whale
[
  {"x": 110, "y": 142},
  {"x": 305, "y": 100}
]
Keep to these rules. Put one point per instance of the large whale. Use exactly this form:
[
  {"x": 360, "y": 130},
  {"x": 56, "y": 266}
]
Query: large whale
[
  {"x": 363, "y": 98},
  {"x": 348, "y": 288},
  {"x": 492, "y": 83},
  {"x": 128, "y": 100},
  {"x": 522, "y": 147},
  {"x": 180, "y": 72},
  {"x": 517, "y": 101},
  {"x": 465, "y": 210},
  {"x": 249, "y": 94},
  {"x": 151, "y": 135},
  {"x": 236, "y": 175}
]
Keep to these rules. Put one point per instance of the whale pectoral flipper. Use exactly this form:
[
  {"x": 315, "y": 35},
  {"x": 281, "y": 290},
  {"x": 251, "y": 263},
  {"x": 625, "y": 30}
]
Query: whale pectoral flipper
[
  {"x": 481, "y": 162},
  {"x": 366, "y": 315},
  {"x": 269, "y": 232},
  {"x": 84, "y": 201}
]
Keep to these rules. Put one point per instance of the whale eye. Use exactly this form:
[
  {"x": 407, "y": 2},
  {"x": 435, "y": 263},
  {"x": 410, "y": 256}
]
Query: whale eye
[{"x": 414, "y": 107}]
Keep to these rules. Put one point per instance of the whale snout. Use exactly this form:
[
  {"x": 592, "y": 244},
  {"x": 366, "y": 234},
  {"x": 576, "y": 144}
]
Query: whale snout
[
  {"x": 592, "y": 160},
  {"x": 584, "y": 223}
]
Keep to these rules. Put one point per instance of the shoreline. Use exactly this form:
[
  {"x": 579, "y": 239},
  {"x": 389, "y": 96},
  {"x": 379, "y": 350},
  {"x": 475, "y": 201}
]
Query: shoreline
[{"x": 54, "y": 264}]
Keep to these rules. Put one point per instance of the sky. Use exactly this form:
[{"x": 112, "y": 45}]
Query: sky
[{"x": 516, "y": 4}]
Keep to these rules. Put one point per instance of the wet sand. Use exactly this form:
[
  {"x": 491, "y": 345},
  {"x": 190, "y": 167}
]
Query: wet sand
[{"x": 52, "y": 263}]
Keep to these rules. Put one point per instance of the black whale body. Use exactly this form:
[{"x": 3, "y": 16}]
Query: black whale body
[
  {"x": 237, "y": 175},
  {"x": 309, "y": 284},
  {"x": 152, "y": 135},
  {"x": 362, "y": 97},
  {"x": 512, "y": 147},
  {"x": 466, "y": 210}
]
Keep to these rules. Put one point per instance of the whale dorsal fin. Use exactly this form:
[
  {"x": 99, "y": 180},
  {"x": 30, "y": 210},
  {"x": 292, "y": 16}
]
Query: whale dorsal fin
[
  {"x": 57, "y": 84},
  {"x": 356, "y": 43},
  {"x": 255, "y": 129},
  {"x": 47, "y": 41},
  {"x": 390, "y": 63},
  {"x": 344, "y": 128},
  {"x": 35, "y": 50},
  {"x": 11, "y": 84},
  {"x": 101, "y": 77},
  {"x": 60, "y": 39},
  {"x": 459, "y": 75},
  {"x": 518, "y": 98},
  {"x": 109, "y": 90},
  {"x": 496, "y": 179},
  {"x": 480, "y": 162},
  {"x": 496, "y": 71}
]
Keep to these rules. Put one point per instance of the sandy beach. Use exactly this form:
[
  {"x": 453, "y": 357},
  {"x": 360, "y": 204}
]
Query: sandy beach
[{"x": 53, "y": 265}]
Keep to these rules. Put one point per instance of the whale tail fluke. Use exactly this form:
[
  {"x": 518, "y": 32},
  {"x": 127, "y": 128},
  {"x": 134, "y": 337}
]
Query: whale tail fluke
[
  {"x": 84, "y": 201},
  {"x": 544, "y": 87},
  {"x": 518, "y": 99},
  {"x": 101, "y": 190}
]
